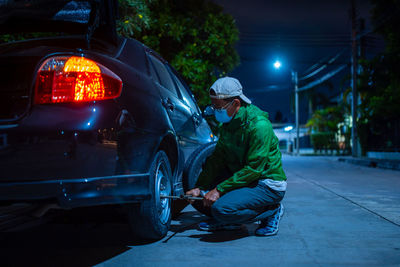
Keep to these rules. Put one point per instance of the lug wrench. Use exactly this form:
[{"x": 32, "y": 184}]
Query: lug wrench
[{"x": 185, "y": 197}]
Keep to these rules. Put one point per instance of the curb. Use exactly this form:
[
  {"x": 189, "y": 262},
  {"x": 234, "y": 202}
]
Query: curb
[{"x": 374, "y": 163}]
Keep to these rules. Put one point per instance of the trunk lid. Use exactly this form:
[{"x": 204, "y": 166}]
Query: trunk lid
[
  {"x": 18, "y": 67},
  {"x": 93, "y": 18}
]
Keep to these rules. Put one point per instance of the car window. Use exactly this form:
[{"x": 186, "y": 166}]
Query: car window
[
  {"x": 68, "y": 11},
  {"x": 134, "y": 54},
  {"x": 186, "y": 95},
  {"x": 74, "y": 11},
  {"x": 153, "y": 72},
  {"x": 163, "y": 74}
]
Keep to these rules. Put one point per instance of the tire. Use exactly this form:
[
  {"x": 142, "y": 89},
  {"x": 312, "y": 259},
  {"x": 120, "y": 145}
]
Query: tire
[
  {"x": 195, "y": 165},
  {"x": 152, "y": 218}
]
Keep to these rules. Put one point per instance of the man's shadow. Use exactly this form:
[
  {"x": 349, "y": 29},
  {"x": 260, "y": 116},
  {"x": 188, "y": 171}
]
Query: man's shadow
[
  {"x": 187, "y": 221},
  {"x": 222, "y": 236}
]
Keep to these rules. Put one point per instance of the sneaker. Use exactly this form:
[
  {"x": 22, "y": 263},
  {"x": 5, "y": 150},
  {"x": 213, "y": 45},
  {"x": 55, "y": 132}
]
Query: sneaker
[
  {"x": 270, "y": 225},
  {"x": 213, "y": 225}
]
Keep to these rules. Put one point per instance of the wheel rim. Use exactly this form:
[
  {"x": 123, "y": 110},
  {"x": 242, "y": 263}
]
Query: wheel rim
[{"x": 163, "y": 188}]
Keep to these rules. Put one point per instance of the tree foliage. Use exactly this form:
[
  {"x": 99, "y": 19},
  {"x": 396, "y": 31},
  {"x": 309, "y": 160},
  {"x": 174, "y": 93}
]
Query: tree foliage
[
  {"x": 379, "y": 82},
  {"x": 386, "y": 20},
  {"x": 324, "y": 126},
  {"x": 326, "y": 120},
  {"x": 195, "y": 36}
]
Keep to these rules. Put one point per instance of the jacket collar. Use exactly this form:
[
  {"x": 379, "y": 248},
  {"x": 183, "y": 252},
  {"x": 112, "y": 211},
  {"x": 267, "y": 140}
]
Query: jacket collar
[{"x": 239, "y": 120}]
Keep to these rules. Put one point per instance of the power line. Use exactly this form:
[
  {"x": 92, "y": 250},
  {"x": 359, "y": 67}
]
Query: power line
[
  {"x": 316, "y": 65},
  {"x": 369, "y": 38},
  {"x": 299, "y": 45},
  {"x": 329, "y": 62},
  {"x": 291, "y": 34},
  {"x": 368, "y": 43},
  {"x": 270, "y": 88},
  {"x": 338, "y": 39},
  {"x": 322, "y": 79},
  {"x": 311, "y": 61}
]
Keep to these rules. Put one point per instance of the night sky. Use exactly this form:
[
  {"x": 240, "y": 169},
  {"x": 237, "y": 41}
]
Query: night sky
[{"x": 299, "y": 34}]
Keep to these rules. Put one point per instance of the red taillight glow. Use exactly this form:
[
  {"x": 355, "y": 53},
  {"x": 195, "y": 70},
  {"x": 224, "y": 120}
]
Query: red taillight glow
[{"x": 75, "y": 79}]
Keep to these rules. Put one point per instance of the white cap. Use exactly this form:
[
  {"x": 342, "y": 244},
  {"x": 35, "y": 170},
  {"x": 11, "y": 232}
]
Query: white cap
[{"x": 228, "y": 87}]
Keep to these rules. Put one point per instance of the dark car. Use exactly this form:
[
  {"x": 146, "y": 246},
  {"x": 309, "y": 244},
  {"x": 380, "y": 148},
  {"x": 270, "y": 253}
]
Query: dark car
[{"x": 89, "y": 118}]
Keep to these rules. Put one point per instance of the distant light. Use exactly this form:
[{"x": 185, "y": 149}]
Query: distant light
[
  {"x": 277, "y": 64},
  {"x": 94, "y": 110},
  {"x": 88, "y": 123},
  {"x": 288, "y": 128}
]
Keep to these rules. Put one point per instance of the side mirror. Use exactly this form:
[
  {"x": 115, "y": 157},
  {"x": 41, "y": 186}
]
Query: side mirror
[{"x": 208, "y": 111}]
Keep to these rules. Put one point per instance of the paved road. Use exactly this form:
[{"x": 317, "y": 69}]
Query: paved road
[{"x": 337, "y": 214}]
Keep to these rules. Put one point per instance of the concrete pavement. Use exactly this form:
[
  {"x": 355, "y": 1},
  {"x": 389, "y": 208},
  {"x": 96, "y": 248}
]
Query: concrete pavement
[{"x": 337, "y": 214}]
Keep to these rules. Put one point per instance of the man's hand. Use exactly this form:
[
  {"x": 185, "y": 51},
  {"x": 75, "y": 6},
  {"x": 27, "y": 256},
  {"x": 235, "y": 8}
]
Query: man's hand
[
  {"x": 211, "y": 197},
  {"x": 195, "y": 192}
]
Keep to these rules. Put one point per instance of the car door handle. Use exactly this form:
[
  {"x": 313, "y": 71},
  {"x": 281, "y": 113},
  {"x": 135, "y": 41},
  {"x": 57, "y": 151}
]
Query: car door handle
[{"x": 167, "y": 103}]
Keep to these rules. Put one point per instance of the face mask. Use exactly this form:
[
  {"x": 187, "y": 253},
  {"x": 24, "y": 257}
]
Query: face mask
[{"x": 222, "y": 116}]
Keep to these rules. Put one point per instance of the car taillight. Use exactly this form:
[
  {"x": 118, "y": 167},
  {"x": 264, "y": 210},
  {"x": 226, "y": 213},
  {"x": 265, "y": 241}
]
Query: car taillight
[{"x": 75, "y": 79}]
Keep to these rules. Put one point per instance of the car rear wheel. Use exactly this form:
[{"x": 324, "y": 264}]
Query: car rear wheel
[
  {"x": 195, "y": 165},
  {"x": 151, "y": 220},
  {"x": 191, "y": 173}
]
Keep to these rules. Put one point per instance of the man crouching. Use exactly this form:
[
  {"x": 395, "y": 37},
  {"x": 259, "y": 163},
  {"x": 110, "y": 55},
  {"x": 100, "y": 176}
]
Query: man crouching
[{"x": 243, "y": 176}]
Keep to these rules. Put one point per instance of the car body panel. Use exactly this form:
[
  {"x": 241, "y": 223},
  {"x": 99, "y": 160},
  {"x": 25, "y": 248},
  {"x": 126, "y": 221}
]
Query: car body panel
[
  {"x": 72, "y": 193},
  {"x": 97, "y": 152},
  {"x": 114, "y": 139}
]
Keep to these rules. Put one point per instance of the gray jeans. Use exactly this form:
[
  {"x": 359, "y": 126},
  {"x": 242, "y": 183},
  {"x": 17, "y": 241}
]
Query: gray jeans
[{"x": 247, "y": 204}]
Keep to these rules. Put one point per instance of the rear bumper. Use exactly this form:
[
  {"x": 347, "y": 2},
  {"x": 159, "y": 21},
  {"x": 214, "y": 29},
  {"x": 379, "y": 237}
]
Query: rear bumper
[{"x": 83, "y": 192}]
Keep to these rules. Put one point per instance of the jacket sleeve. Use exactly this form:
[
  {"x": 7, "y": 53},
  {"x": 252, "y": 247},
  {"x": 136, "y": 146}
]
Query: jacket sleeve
[
  {"x": 211, "y": 168},
  {"x": 260, "y": 138}
]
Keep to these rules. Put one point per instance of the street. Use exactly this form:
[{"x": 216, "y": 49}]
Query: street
[{"x": 336, "y": 214}]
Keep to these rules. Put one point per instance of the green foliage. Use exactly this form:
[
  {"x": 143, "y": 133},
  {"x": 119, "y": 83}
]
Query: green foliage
[
  {"x": 385, "y": 17},
  {"x": 326, "y": 120},
  {"x": 379, "y": 82},
  {"x": 379, "y": 88},
  {"x": 195, "y": 36},
  {"x": 134, "y": 17},
  {"x": 324, "y": 141},
  {"x": 324, "y": 127}
]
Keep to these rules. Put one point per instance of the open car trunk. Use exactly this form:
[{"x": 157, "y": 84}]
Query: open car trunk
[{"x": 90, "y": 17}]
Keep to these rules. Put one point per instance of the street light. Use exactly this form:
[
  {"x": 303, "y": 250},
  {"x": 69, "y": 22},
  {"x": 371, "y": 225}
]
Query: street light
[{"x": 277, "y": 65}]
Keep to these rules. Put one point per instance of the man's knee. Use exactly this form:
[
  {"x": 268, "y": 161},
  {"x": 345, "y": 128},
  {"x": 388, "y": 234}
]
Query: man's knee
[{"x": 222, "y": 212}]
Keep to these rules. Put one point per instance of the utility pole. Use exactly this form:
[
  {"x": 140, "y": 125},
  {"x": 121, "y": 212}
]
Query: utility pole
[
  {"x": 354, "y": 137},
  {"x": 361, "y": 43},
  {"x": 296, "y": 92}
]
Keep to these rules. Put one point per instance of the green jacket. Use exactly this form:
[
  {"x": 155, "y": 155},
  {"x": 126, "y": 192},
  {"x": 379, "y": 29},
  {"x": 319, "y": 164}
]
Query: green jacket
[{"x": 248, "y": 147}]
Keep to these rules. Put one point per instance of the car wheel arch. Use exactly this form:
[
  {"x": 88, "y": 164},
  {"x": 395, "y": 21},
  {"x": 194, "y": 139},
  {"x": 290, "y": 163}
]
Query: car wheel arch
[{"x": 170, "y": 146}]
